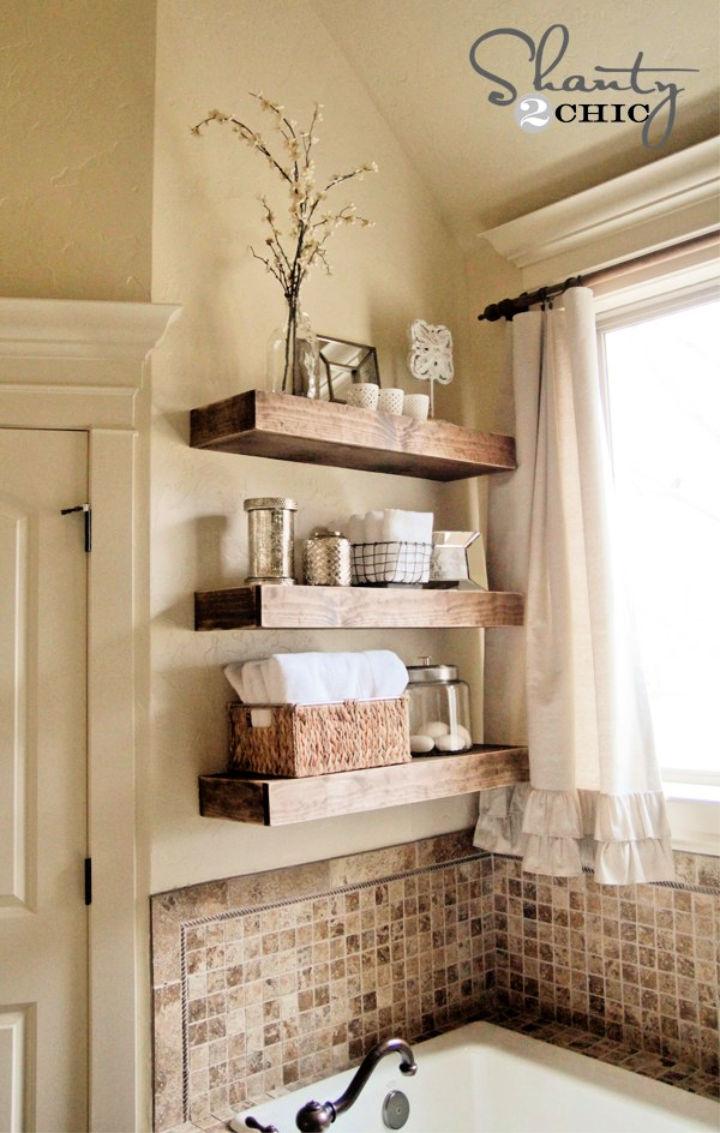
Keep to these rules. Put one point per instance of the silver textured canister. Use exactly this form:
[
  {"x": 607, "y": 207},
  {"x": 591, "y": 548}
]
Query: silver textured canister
[
  {"x": 327, "y": 559},
  {"x": 271, "y": 533}
]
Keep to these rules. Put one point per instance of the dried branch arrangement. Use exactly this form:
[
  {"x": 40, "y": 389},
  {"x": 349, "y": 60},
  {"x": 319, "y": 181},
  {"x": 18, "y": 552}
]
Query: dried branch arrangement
[{"x": 290, "y": 253}]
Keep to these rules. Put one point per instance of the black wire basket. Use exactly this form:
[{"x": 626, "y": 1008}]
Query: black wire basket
[{"x": 391, "y": 564}]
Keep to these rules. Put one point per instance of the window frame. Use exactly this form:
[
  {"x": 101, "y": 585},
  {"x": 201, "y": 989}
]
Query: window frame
[{"x": 693, "y": 798}]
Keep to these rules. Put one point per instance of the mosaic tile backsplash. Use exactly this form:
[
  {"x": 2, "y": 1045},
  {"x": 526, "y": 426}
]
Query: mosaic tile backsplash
[
  {"x": 271, "y": 981},
  {"x": 637, "y": 964},
  {"x": 267, "y": 982}
]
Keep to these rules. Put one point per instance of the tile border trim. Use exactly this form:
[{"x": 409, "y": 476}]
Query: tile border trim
[{"x": 686, "y": 886}]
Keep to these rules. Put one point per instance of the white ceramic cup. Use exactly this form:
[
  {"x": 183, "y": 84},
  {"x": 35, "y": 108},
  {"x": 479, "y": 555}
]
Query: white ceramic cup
[
  {"x": 391, "y": 400},
  {"x": 363, "y": 395},
  {"x": 417, "y": 406}
]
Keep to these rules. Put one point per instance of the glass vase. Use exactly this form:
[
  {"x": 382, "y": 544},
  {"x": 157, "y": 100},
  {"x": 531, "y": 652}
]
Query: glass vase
[{"x": 293, "y": 358}]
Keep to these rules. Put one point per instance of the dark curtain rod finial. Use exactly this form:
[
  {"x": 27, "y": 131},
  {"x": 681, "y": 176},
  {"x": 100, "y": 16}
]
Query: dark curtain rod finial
[
  {"x": 503, "y": 310},
  {"x": 508, "y": 308}
]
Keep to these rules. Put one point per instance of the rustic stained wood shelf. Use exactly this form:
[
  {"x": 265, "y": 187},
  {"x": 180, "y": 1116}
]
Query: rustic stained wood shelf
[
  {"x": 256, "y": 423},
  {"x": 280, "y": 802},
  {"x": 354, "y": 607}
]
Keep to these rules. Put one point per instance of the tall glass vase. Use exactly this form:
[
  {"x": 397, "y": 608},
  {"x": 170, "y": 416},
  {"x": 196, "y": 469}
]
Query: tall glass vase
[{"x": 293, "y": 358}]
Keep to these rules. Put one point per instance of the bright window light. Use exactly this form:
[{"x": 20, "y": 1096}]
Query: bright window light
[{"x": 663, "y": 377}]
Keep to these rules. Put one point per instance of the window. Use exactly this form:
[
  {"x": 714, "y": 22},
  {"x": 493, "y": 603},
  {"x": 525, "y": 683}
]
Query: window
[{"x": 662, "y": 369}]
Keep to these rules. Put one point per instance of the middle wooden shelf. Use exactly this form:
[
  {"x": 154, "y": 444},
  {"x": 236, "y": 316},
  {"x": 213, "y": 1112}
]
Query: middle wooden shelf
[
  {"x": 354, "y": 607},
  {"x": 279, "y": 802}
]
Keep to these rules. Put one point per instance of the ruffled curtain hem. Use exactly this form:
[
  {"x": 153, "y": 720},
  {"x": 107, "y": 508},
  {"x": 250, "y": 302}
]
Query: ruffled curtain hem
[{"x": 624, "y": 839}]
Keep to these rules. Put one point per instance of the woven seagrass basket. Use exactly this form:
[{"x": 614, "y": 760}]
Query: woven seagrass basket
[{"x": 296, "y": 740}]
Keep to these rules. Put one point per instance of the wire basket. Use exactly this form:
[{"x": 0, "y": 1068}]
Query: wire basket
[{"x": 391, "y": 564}]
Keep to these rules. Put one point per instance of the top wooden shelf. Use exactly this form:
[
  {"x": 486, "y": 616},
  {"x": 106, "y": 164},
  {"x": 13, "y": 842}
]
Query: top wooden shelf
[{"x": 322, "y": 432}]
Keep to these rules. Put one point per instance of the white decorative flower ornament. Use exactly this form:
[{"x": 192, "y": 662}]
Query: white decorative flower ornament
[{"x": 430, "y": 358}]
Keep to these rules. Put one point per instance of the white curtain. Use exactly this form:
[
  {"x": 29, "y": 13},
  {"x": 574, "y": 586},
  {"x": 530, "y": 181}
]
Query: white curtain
[{"x": 568, "y": 681}]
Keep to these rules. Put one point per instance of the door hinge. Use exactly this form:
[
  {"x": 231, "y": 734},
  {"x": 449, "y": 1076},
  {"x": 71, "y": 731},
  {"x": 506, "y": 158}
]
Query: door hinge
[
  {"x": 88, "y": 881},
  {"x": 87, "y": 516}
]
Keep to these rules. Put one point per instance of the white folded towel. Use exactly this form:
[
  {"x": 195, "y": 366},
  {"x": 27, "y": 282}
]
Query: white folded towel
[
  {"x": 319, "y": 678},
  {"x": 391, "y": 526},
  {"x": 407, "y": 526}
]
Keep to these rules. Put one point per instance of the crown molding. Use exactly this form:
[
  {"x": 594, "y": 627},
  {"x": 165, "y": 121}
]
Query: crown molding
[
  {"x": 82, "y": 329},
  {"x": 684, "y": 186}
]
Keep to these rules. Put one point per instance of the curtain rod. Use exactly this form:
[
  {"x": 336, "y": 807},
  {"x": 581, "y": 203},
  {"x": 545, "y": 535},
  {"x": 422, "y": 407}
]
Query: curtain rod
[{"x": 506, "y": 308}]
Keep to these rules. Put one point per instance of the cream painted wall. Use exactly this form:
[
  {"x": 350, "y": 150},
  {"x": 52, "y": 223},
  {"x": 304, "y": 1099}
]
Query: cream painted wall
[
  {"x": 76, "y": 148},
  {"x": 205, "y": 215}
]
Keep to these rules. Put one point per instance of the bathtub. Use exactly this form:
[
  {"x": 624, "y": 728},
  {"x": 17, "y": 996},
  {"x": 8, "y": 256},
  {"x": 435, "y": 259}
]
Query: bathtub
[{"x": 482, "y": 1078}]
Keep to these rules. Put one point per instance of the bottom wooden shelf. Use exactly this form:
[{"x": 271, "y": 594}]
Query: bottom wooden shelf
[{"x": 280, "y": 802}]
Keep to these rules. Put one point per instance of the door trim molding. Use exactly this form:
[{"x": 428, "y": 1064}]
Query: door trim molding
[
  {"x": 81, "y": 365},
  {"x": 71, "y": 328}
]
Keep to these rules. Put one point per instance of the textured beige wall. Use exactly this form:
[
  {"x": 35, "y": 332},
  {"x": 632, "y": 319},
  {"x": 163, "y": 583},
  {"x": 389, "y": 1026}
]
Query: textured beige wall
[
  {"x": 76, "y": 101},
  {"x": 205, "y": 215}
]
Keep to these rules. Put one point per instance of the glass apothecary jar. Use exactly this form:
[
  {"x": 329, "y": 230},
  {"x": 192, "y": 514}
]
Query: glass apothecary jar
[{"x": 439, "y": 709}]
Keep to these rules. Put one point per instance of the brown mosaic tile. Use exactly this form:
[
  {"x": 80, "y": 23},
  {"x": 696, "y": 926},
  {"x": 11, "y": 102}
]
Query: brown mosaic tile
[
  {"x": 301, "y": 980},
  {"x": 266, "y": 982},
  {"x": 675, "y": 1071},
  {"x": 640, "y": 957}
]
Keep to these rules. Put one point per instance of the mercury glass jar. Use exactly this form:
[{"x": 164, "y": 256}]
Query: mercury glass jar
[
  {"x": 326, "y": 559},
  {"x": 439, "y": 709},
  {"x": 271, "y": 531}
]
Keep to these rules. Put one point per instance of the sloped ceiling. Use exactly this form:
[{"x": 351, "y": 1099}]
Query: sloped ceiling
[{"x": 481, "y": 167}]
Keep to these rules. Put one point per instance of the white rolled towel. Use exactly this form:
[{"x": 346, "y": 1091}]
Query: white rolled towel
[
  {"x": 374, "y": 526},
  {"x": 319, "y": 678},
  {"x": 355, "y": 528}
]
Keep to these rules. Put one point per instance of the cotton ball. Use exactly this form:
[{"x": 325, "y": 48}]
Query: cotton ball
[
  {"x": 435, "y": 728},
  {"x": 451, "y": 742},
  {"x": 461, "y": 731},
  {"x": 421, "y": 745}
]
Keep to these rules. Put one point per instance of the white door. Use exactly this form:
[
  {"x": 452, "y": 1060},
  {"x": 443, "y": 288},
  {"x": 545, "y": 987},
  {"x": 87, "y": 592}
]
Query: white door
[{"x": 43, "y": 768}]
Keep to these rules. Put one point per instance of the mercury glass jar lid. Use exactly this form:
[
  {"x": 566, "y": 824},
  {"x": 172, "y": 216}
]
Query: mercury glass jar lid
[
  {"x": 273, "y": 503},
  {"x": 426, "y": 672},
  {"x": 325, "y": 533}
]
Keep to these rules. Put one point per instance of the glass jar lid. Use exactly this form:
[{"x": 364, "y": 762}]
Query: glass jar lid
[
  {"x": 269, "y": 503},
  {"x": 325, "y": 533},
  {"x": 426, "y": 672}
]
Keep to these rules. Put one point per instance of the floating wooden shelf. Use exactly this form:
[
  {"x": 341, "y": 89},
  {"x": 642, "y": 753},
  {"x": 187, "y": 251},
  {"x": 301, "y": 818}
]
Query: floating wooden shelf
[
  {"x": 322, "y": 432},
  {"x": 354, "y": 607},
  {"x": 280, "y": 802}
]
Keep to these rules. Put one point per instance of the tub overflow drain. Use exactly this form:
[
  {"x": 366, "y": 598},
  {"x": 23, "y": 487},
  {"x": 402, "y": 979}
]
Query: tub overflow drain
[{"x": 395, "y": 1110}]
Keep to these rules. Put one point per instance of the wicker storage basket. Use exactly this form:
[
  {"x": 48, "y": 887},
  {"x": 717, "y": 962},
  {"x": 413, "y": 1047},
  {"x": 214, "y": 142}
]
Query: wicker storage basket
[{"x": 297, "y": 740}]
